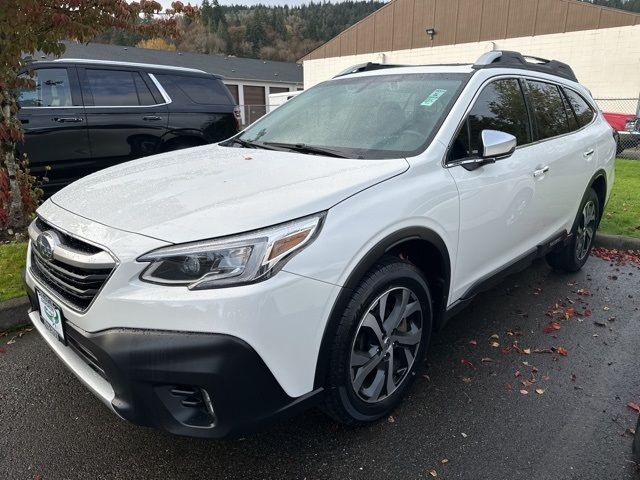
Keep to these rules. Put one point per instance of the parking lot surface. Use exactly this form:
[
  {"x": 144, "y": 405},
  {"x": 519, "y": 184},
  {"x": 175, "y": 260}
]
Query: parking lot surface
[{"x": 571, "y": 342}]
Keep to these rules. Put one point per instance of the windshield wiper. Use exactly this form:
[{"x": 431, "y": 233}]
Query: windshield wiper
[
  {"x": 250, "y": 144},
  {"x": 304, "y": 148}
]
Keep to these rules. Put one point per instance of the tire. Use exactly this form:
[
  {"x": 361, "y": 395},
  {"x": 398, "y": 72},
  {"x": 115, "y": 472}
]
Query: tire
[
  {"x": 362, "y": 355},
  {"x": 572, "y": 256}
]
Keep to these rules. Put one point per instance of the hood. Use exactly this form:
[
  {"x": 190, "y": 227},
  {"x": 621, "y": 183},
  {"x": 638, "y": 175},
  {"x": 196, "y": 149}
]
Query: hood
[{"x": 213, "y": 191}]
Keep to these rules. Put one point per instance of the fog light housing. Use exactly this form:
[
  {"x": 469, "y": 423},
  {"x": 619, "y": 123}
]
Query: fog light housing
[{"x": 190, "y": 405}]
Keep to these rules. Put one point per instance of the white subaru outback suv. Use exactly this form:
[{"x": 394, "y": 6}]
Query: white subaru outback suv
[{"x": 308, "y": 260}]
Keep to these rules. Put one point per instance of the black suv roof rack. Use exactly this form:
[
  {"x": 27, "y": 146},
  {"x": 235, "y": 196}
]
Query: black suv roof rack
[{"x": 508, "y": 59}]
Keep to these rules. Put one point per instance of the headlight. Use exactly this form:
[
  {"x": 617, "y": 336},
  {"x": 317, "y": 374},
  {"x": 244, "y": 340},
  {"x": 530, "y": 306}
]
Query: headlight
[{"x": 231, "y": 260}]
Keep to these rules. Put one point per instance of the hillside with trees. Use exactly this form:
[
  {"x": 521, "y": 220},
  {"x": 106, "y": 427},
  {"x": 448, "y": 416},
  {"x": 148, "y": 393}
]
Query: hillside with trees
[{"x": 268, "y": 32}]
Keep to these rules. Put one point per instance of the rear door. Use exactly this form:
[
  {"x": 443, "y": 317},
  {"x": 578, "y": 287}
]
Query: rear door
[
  {"x": 565, "y": 156},
  {"x": 55, "y": 126},
  {"x": 202, "y": 109},
  {"x": 126, "y": 114}
]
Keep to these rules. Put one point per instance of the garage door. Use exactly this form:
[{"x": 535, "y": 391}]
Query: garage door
[{"x": 255, "y": 103}]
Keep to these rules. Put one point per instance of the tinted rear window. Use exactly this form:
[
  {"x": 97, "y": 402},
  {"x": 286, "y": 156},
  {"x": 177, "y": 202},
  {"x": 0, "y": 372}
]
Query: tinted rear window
[
  {"x": 118, "y": 88},
  {"x": 548, "y": 109},
  {"x": 584, "y": 113},
  {"x": 208, "y": 91}
]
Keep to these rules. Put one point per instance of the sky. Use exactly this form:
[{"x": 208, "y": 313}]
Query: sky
[{"x": 167, "y": 3}]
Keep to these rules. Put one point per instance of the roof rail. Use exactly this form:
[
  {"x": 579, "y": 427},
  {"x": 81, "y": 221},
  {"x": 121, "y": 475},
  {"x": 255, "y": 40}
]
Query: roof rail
[
  {"x": 364, "y": 67},
  {"x": 506, "y": 59}
]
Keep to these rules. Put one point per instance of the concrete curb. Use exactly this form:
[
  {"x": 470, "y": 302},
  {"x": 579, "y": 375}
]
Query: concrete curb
[
  {"x": 13, "y": 313},
  {"x": 618, "y": 242}
]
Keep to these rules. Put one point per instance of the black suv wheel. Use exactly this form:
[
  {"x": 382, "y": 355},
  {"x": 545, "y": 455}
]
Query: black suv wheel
[{"x": 381, "y": 338}]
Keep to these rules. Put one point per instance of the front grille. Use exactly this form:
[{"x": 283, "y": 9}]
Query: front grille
[{"x": 76, "y": 271}]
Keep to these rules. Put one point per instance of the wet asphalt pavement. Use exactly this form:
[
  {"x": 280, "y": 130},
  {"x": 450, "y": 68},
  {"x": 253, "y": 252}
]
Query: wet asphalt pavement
[{"x": 471, "y": 413}]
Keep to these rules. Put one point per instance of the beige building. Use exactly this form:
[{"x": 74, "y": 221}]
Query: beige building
[{"x": 601, "y": 44}]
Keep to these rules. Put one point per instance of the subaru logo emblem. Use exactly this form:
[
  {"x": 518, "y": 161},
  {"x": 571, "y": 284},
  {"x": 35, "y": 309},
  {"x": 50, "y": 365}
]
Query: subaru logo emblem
[{"x": 46, "y": 244}]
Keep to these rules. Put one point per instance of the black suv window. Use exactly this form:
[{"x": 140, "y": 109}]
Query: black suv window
[
  {"x": 500, "y": 106},
  {"x": 207, "y": 91},
  {"x": 548, "y": 109},
  {"x": 583, "y": 112},
  {"x": 118, "y": 88},
  {"x": 51, "y": 89}
]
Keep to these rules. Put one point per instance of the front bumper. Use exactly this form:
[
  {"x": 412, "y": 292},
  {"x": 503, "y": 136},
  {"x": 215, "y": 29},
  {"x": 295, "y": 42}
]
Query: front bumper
[{"x": 137, "y": 373}]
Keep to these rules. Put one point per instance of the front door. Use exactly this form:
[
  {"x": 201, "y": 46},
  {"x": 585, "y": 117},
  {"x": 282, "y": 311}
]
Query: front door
[
  {"x": 55, "y": 127},
  {"x": 495, "y": 199},
  {"x": 125, "y": 120}
]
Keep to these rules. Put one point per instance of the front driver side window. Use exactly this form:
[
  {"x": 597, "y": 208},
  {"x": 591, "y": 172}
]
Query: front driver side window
[
  {"x": 50, "y": 88},
  {"x": 500, "y": 106}
]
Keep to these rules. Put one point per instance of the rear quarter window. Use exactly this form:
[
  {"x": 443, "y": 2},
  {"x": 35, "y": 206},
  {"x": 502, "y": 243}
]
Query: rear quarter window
[{"x": 202, "y": 90}]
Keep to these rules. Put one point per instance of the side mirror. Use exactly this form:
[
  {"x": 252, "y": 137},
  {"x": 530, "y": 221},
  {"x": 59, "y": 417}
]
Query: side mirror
[{"x": 496, "y": 145}]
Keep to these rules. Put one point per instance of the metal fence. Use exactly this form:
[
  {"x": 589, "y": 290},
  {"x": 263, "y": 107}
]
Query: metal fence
[
  {"x": 618, "y": 112},
  {"x": 621, "y": 113}
]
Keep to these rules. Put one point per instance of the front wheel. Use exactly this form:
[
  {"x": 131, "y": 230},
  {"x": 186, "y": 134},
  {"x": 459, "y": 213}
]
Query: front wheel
[
  {"x": 574, "y": 254},
  {"x": 381, "y": 338}
]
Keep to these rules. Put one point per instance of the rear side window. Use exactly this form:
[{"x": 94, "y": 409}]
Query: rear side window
[
  {"x": 50, "y": 88},
  {"x": 548, "y": 109},
  {"x": 118, "y": 88},
  {"x": 500, "y": 106},
  {"x": 583, "y": 112},
  {"x": 207, "y": 91}
]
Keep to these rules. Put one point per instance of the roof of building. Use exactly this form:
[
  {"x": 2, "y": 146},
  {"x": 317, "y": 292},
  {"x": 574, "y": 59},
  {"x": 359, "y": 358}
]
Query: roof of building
[
  {"x": 402, "y": 24},
  {"x": 228, "y": 67}
]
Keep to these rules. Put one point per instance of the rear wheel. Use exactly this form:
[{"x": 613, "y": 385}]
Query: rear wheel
[
  {"x": 574, "y": 254},
  {"x": 381, "y": 338}
]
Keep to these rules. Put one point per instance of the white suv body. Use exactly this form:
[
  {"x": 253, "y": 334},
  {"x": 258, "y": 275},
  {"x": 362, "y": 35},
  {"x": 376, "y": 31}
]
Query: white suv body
[{"x": 237, "y": 354}]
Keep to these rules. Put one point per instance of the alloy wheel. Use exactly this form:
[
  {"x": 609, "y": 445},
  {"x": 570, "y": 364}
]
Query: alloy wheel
[
  {"x": 586, "y": 229},
  {"x": 386, "y": 344}
]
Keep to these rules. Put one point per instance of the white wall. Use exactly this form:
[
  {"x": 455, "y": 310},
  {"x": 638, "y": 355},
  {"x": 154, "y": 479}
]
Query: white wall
[{"x": 607, "y": 61}]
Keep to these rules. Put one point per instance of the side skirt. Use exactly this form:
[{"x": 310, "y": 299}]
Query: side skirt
[{"x": 493, "y": 279}]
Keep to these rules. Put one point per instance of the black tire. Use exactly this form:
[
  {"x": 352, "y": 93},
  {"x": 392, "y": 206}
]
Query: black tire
[
  {"x": 394, "y": 277},
  {"x": 572, "y": 256}
]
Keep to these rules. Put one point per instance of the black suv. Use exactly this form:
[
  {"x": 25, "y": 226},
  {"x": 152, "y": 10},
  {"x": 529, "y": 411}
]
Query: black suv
[{"x": 85, "y": 115}]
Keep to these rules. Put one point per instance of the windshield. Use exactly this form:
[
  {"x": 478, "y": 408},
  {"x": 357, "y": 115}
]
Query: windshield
[{"x": 382, "y": 116}]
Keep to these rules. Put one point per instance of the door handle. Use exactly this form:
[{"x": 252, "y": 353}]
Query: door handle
[
  {"x": 151, "y": 118},
  {"x": 588, "y": 153},
  {"x": 541, "y": 171},
  {"x": 67, "y": 119}
]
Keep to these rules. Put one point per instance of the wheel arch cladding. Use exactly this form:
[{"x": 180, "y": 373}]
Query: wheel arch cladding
[
  {"x": 599, "y": 185},
  {"x": 420, "y": 246}
]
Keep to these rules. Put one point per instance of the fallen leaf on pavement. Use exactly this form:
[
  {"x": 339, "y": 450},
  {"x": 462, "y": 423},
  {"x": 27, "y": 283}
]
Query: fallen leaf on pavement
[
  {"x": 551, "y": 327},
  {"x": 486, "y": 360},
  {"x": 466, "y": 379},
  {"x": 464, "y": 435},
  {"x": 466, "y": 362},
  {"x": 444, "y": 461},
  {"x": 517, "y": 374},
  {"x": 507, "y": 386},
  {"x": 539, "y": 391},
  {"x": 433, "y": 473},
  {"x": 599, "y": 324},
  {"x": 562, "y": 351},
  {"x": 634, "y": 406},
  {"x": 473, "y": 342},
  {"x": 391, "y": 419},
  {"x": 569, "y": 312},
  {"x": 524, "y": 392}
]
